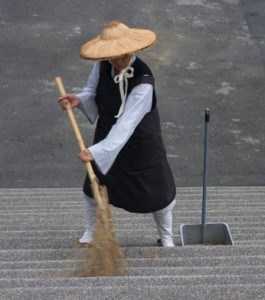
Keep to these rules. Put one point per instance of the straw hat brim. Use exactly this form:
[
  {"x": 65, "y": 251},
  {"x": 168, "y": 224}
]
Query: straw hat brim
[{"x": 102, "y": 49}]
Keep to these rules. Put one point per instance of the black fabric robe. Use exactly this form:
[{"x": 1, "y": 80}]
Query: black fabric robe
[{"x": 140, "y": 180}]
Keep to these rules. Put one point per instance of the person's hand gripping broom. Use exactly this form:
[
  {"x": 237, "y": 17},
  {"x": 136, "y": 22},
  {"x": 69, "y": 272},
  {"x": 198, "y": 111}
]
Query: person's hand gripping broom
[{"x": 105, "y": 257}]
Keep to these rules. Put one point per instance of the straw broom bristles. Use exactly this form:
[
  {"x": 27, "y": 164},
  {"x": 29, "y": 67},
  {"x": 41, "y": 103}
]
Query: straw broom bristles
[{"x": 104, "y": 257}]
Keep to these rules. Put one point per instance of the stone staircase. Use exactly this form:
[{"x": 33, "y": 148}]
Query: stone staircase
[{"x": 39, "y": 226}]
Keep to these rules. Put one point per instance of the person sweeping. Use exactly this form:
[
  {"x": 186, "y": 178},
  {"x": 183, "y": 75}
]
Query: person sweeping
[{"x": 128, "y": 154}]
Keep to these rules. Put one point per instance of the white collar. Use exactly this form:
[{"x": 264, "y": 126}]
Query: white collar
[{"x": 122, "y": 79}]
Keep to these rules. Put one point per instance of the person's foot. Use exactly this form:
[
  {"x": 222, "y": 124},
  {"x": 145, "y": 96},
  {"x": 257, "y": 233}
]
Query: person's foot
[
  {"x": 86, "y": 238},
  {"x": 78, "y": 245},
  {"x": 165, "y": 243}
]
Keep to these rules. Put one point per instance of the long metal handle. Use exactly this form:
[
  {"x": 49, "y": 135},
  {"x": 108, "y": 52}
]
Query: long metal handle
[{"x": 205, "y": 165}]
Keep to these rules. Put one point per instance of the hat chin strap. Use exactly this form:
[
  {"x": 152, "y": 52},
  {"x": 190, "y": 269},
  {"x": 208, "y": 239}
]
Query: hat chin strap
[{"x": 122, "y": 79}]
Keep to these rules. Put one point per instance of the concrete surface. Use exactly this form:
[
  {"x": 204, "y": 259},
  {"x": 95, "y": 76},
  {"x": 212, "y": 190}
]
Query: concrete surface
[
  {"x": 37, "y": 259},
  {"x": 209, "y": 54}
]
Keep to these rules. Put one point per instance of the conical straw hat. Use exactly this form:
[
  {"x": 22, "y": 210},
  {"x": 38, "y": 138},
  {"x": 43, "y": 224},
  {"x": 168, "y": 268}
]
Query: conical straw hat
[{"x": 117, "y": 40}]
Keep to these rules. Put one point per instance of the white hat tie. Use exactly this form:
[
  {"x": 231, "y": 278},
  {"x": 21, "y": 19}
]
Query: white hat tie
[{"x": 122, "y": 79}]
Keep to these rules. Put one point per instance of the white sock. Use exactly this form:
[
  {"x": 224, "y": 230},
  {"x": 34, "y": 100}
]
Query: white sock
[
  {"x": 163, "y": 220},
  {"x": 90, "y": 218}
]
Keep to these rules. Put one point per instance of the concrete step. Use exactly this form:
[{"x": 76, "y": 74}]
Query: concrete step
[
  {"x": 75, "y": 230},
  {"x": 72, "y": 219},
  {"x": 121, "y": 230},
  {"x": 237, "y": 224},
  {"x": 139, "y": 271},
  {"x": 181, "y": 199},
  {"x": 135, "y": 281},
  {"x": 77, "y": 191},
  {"x": 72, "y": 262},
  {"x": 178, "y": 211},
  {"x": 43, "y": 197},
  {"x": 138, "y": 252},
  {"x": 29, "y": 205},
  {"x": 126, "y": 239},
  {"x": 190, "y": 292}
]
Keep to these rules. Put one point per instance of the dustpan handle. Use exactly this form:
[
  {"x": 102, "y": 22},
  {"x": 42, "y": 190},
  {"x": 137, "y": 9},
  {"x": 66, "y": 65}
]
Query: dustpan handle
[{"x": 205, "y": 165}]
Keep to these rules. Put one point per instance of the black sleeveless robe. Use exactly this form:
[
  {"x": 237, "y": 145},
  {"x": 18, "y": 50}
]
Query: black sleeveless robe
[{"x": 140, "y": 180}]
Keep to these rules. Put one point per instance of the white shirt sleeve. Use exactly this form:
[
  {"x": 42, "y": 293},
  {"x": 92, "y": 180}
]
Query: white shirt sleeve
[
  {"x": 87, "y": 96},
  {"x": 138, "y": 103}
]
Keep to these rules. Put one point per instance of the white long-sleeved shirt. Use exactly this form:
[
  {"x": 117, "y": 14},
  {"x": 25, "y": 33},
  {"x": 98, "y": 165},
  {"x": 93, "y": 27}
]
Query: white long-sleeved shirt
[{"x": 138, "y": 103}]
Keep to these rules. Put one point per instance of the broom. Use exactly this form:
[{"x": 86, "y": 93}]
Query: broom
[{"x": 104, "y": 257}]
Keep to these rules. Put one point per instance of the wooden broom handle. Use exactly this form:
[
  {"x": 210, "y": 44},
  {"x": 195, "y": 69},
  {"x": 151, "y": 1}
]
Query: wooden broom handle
[{"x": 78, "y": 135}]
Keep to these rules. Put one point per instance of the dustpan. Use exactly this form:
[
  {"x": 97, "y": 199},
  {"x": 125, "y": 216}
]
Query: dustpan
[{"x": 205, "y": 233}]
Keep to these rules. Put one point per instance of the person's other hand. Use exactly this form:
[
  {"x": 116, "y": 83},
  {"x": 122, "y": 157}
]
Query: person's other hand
[
  {"x": 72, "y": 99},
  {"x": 85, "y": 156}
]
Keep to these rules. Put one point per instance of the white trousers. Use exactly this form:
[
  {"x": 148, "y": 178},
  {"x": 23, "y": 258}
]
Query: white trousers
[
  {"x": 163, "y": 220},
  {"x": 90, "y": 219}
]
